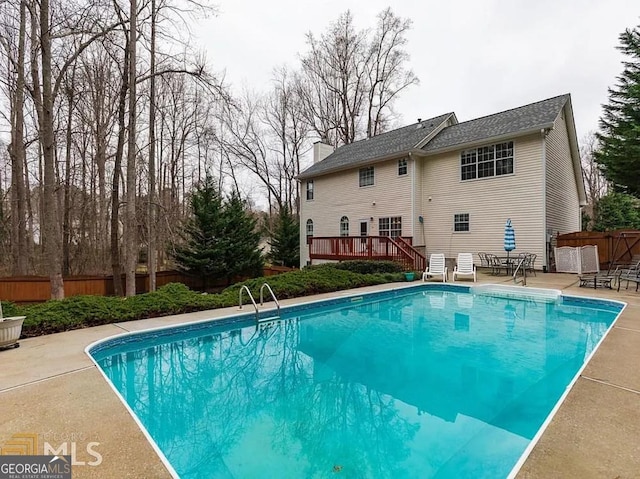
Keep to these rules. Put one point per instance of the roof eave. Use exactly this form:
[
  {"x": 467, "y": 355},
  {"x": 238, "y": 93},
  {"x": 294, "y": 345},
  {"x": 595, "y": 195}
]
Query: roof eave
[
  {"x": 575, "y": 152},
  {"x": 391, "y": 156}
]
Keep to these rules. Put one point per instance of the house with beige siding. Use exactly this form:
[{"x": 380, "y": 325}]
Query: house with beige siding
[{"x": 444, "y": 186}]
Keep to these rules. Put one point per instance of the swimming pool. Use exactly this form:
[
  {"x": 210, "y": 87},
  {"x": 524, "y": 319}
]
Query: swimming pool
[{"x": 418, "y": 382}]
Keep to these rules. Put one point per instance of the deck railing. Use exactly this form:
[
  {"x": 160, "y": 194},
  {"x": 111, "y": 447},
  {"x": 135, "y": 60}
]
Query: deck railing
[
  {"x": 418, "y": 259},
  {"x": 341, "y": 248}
]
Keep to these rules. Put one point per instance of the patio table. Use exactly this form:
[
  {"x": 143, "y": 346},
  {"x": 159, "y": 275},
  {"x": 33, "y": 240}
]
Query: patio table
[{"x": 508, "y": 263}]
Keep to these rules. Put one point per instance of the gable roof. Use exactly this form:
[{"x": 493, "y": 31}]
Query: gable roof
[
  {"x": 380, "y": 146},
  {"x": 516, "y": 121}
]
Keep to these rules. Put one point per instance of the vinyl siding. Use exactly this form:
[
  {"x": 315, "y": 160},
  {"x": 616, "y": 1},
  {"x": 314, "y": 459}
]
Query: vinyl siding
[
  {"x": 418, "y": 230},
  {"x": 563, "y": 204},
  {"x": 339, "y": 194},
  {"x": 489, "y": 202}
]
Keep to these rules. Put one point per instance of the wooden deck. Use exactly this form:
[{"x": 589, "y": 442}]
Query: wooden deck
[{"x": 381, "y": 248}]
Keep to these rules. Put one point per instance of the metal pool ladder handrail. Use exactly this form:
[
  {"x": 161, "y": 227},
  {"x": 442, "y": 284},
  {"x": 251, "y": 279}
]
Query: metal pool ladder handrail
[
  {"x": 272, "y": 295},
  {"x": 253, "y": 301},
  {"x": 524, "y": 272}
]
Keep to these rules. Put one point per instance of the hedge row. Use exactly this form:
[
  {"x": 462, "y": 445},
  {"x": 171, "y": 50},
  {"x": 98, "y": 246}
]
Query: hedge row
[{"x": 85, "y": 311}]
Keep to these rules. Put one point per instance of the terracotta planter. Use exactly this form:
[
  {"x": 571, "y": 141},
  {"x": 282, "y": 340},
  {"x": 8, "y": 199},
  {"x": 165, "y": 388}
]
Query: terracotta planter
[{"x": 10, "y": 329}]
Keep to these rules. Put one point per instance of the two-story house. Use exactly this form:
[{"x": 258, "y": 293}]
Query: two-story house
[{"x": 445, "y": 186}]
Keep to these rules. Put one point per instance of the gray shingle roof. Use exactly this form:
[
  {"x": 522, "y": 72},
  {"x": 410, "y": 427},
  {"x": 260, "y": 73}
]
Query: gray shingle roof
[
  {"x": 379, "y": 146},
  {"x": 518, "y": 120},
  {"x": 510, "y": 122}
]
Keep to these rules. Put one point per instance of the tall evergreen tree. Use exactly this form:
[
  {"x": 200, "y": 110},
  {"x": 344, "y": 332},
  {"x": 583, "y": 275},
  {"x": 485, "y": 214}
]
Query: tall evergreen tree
[
  {"x": 240, "y": 240},
  {"x": 617, "y": 211},
  {"x": 202, "y": 253},
  {"x": 619, "y": 152},
  {"x": 285, "y": 240}
]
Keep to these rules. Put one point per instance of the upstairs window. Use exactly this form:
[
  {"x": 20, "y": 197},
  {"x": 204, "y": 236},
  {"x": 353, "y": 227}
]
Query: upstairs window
[
  {"x": 391, "y": 226},
  {"x": 403, "y": 169},
  {"x": 344, "y": 226},
  {"x": 461, "y": 222},
  {"x": 487, "y": 161},
  {"x": 366, "y": 176},
  {"x": 309, "y": 189}
]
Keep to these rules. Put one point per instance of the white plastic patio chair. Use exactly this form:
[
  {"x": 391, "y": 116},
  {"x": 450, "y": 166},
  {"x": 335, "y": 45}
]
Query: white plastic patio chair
[
  {"x": 465, "y": 266},
  {"x": 437, "y": 267}
]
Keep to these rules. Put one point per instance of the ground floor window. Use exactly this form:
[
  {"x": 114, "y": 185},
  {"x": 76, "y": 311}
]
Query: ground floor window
[
  {"x": 344, "y": 226},
  {"x": 309, "y": 230},
  {"x": 461, "y": 222},
  {"x": 391, "y": 226}
]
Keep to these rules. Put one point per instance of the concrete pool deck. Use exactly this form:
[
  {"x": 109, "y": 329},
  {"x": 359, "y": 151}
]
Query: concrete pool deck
[{"x": 50, "y": 391}]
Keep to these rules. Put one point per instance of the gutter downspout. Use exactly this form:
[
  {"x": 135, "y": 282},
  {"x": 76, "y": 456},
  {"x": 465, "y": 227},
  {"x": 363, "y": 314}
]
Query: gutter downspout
[
  {"x": 545, "y": 259},
  {"x": 414, "y": 172}
]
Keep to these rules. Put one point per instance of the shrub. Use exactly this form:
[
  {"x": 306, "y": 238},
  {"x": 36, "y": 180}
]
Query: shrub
[
  {"x": 365, "y": 267},
  {"x": 9, "y": 309},
  {"x": 84, "y": 311}
]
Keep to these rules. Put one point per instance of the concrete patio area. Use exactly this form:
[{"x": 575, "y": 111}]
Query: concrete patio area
[{"x": 49, "y": 388}]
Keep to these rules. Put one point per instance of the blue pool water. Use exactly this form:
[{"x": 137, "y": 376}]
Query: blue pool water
[{"x": 415, "y": 383}]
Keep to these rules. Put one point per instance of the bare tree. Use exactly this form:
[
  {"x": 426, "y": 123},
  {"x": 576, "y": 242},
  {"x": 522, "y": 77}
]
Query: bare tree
[
  {"x": 44, "y": 100},
  {"x": 348, "y": 83},
  {"x": 151, "y": 251},
  {"x": 246, "y": 141},
  {"x": 595, "y": 184},
  {"x": 131, "y": 224},
  {"x": 98, "y": 108},
  {"x": 16, "y": 149},
  {"x": 74, "y": 31},
  {"x": 334, "y": 81},
  {"x": 282, "y": 114},
  {"x": 387, "y": 75}
]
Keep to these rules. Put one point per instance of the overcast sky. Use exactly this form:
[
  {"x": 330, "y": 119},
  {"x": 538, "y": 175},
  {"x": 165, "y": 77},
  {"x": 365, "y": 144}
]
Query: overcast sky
[{"x": 472, "y": 57}]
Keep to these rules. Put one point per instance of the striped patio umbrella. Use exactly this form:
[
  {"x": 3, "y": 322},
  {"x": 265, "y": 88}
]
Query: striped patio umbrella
[{"x": 509, "y": 238}]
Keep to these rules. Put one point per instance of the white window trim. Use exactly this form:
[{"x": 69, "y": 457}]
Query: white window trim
[
  {"x": 460, "y": 180},
  {"x": 468, "y": 222},
  {"x": 313, "y": 190},
  {"x": 390, "y": 223},
  {"x": 374, "y": 177},
  {"x": 406, "y": 165},
  {"x": 341, "y": 223}
]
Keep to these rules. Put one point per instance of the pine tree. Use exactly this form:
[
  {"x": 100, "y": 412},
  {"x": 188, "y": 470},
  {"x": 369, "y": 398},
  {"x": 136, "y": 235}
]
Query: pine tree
[
  {"x": 240, "y": 240},
  {"x": 617, "y": 211},
  {"x": 619, "y": 155},
  {"x": 202, "y": 254},
  {"x": 285, "y": 240}
]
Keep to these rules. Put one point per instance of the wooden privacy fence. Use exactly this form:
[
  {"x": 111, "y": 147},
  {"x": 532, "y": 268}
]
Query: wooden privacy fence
[
  {"x": 614, "y": 247},
  {"x": 36, "y": 289}
]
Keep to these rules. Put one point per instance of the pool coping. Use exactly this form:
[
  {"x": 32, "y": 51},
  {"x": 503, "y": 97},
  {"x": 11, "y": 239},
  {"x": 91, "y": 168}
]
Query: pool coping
[{"x": 240, "y": 318}]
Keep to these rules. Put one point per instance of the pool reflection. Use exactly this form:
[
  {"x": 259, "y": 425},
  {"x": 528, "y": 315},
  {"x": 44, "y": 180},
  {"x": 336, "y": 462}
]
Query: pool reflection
[{"x": 431, "y": 385}]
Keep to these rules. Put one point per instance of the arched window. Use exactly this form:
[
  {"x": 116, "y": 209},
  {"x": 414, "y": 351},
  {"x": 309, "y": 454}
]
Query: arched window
[
  {"x": 344, "y": 226},
  {"x": 309, "y": 230}
]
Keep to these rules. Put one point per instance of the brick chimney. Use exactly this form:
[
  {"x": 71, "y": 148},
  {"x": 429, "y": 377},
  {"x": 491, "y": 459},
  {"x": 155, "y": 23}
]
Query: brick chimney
[{"x": 321, "y": 151}]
